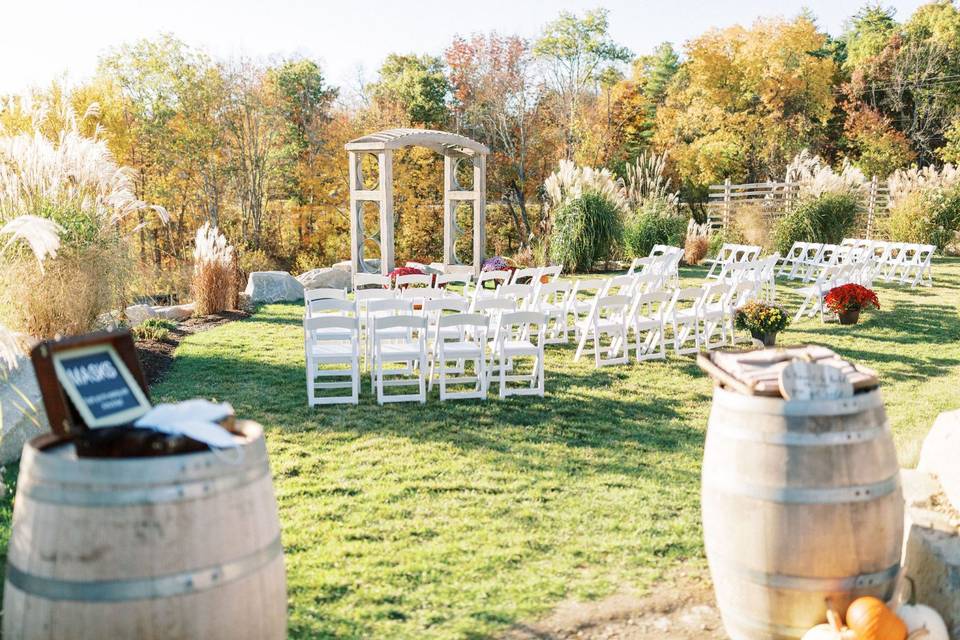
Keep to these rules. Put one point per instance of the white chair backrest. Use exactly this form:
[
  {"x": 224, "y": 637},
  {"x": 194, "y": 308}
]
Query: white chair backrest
[
  {"x": 475, "y": 320},
  {"x": 405, "y": 321},
  {"x": 444, "y": 279},
  {"x": 622, "y": 285},
  {"x": 519, "y": 323},
  {"x": 690, "y": 297},
  {"x": 500, "y": 277},
  {"x": 388, "y": 307},
  {"x": 522, "y": 293},
  {"x": 613, "y": 307},
  {"x": 317, "y": 328},
  {"x": 554, "y": 293},
  {"x": 415, "y": 280},
  {"x": 493, "y": 306},
  {"x": 323, "y": 293},
  {"x": 444, "y": 304},
  {"x": 364, "y": 280},
  {"x": 527, "y": 275},
  {"x": 363, "y": 295},
  {"x": 422, "y": 293},
  {"x": 651, "y": 305},
  {"x": 715, "y": 294},
  {"x": 595, "y": 286},
  {"x": 741, "y": 293},
  {"x": 551, "y": 272},
  {"x": 331, "y": 306}
]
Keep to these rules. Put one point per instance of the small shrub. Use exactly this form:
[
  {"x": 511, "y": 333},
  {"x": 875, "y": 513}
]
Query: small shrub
[
  {"x": 154, "y": 329},
  {"x": 214, "y": 272},
  {"x": 828, "y": 218},
  {"x": 654, "y": 223},
  {"x": 926, "y": 217},
  {"x": 695, "y": 249},
  {"x": 586, "y": 230},
  {"x": 250, "y": 260},
  {"x": 760, "y": 317}
]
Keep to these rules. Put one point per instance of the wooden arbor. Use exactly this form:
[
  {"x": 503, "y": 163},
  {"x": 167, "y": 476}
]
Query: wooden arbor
[{"x": 454, "y": 148}]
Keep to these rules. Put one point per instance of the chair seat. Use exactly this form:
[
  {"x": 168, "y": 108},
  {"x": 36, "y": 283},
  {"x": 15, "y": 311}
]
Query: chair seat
[
  {"x": 462, "y": 349},
  {"x": 515, "y": 347},
  {"x": 331, "y": 349},
  {"x": 685, "y": 315},
  {"x": 393, "y": 333},
  {"x": 401, "y": 349},
  {"x": 645, "y": 322}
]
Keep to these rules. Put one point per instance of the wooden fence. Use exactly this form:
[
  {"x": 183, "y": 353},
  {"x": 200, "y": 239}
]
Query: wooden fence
[{"x": 773, "y": 200}]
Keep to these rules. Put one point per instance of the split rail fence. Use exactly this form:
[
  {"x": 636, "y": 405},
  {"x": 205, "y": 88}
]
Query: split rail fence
[{"x": 773, "y": 200}]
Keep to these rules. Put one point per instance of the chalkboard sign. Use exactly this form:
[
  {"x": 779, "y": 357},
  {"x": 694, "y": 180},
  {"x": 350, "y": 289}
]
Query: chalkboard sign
[{"x": 100, "y": 386}]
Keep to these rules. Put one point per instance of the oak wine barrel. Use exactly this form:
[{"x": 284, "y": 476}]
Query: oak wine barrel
[
  {"x": 801, "y": 503},
  {"x": 181, "y": 546}
]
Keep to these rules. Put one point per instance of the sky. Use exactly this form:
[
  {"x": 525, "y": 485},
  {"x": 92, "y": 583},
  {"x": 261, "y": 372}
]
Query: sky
[{"x": 41, "y": 40}]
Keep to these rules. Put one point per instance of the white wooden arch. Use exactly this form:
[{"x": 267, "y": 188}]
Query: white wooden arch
[{"x": 454, "y": 148}]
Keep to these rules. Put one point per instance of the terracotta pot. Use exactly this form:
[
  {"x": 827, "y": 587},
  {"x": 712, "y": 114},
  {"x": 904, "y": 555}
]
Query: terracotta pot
[
  {"x": 769, "y": 338},
  {"x": 849, "y": 317}
]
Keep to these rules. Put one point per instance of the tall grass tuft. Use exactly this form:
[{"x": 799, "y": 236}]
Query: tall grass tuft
[
  {"x": 64, "y": 185},
  {"x": 214, "y": 272}
]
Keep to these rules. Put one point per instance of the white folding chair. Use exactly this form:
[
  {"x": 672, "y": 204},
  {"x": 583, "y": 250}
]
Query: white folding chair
[
  {"x": 813, "y": 294},
  {"x": 714, "y": 315},
  {"x": 683, "y": 314},
  {"x": 788, "y": 266},
  {"x": 400, "y": 339},
  {"x": 332, "y": 340},
  {"x": 519, "y": 335},
  {"x": 582, "y": 297},
  {"x": 607, "y": 317},
  {"x": 362, "y": 281},
  {"x": 461, "y": 338},
  {"x": 725, "y": 256},
  {"x": 421, "y": 294},
  {"x": 645, "y": 318},
  {"x": 382, "y": 308},
  {"x": 552, "y": 300},
  {"x": 623, "y": 285}
]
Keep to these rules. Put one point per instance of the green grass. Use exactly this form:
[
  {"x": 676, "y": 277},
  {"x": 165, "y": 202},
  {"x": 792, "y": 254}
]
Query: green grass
[{"x": 456, "y": 519}]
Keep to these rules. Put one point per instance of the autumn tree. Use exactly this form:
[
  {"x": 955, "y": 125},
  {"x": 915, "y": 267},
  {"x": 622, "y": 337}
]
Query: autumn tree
[
  {"x": 746, "y": 100},
  {"x": 576, "y": 51},
  {"x": 414, "y": 85}
]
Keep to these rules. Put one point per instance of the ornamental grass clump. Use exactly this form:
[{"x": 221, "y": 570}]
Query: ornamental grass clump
[
  {"x": 73, "y": 182},
  {"x": 214, "y": 284},
  {"x": 764, "y": 321}
]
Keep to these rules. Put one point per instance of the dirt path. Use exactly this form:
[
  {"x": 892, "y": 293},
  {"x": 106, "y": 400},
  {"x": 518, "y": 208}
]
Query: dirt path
[
  {"x": 681, "y": 607},
  {"x": 156, "y": 356}
]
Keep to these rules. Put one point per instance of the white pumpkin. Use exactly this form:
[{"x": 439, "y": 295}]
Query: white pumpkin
[{"x": 920, "y": 617}]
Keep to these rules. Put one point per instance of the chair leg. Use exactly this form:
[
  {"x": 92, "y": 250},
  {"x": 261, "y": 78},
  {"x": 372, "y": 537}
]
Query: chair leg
[{"x": 310, "y": 379}]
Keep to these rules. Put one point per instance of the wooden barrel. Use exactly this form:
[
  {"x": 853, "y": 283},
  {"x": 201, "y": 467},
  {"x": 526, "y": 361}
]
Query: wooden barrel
[
  {"x": 801, "y": 503},
  {"x": 181, "y": 546}
]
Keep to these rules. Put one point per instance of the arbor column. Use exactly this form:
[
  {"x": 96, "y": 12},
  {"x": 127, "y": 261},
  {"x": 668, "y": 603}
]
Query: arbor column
[
  {"x": 479, "y": 210},
  {"x": 385, "y": 162}
]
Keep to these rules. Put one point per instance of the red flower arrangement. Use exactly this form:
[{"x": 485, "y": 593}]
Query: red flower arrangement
[
  {"x": 404, "y": 271},
  {"x": 849, "y": 298}
]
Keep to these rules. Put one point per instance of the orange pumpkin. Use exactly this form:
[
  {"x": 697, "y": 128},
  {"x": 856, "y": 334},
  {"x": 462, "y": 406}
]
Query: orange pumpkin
[{"x": 871, "y": 619}]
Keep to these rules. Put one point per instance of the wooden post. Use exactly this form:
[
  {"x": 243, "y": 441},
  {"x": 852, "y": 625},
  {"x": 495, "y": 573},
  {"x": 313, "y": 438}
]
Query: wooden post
[
  {"x": 871, "y": 206},
  {"x": 355, "y": 213},
  {"x": 449, "y": 210},
  {"x": 385, "y": 161},
  {"x": 727, "y": 203},
  {"x": 479, "y": 210}
]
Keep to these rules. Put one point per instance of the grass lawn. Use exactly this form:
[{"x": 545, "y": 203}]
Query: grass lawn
[{"x": 456, "y": 519}]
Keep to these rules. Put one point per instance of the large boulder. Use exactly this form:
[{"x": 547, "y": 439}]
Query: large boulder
[
  {"x": 21, "y": 410},
  {"x": 177, "y": 313},
  {"x": 273, "y": 286},
  {"x": 941, "y": 450},
  {"x": 328, "y": 278},
  {"x": 137, "y": 313}
]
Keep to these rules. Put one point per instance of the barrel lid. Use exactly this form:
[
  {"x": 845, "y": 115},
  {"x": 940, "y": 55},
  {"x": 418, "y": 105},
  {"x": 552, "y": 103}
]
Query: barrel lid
[{"x": 757, "y": 372}]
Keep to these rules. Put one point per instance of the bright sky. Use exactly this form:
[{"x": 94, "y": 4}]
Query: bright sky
[{"x": 43, "y": 39}]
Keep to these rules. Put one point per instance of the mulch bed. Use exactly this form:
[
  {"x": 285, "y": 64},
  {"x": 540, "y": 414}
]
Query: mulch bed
[{"x": 156, "y": 356}]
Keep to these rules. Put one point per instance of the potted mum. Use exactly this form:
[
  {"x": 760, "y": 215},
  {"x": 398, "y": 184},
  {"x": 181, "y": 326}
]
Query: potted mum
[
  {"x": 848, "y": 300},
  {"x": 404, "y": 271},
  {"x": 763, "y": 321},
  {"x": 497, "y": 263}
]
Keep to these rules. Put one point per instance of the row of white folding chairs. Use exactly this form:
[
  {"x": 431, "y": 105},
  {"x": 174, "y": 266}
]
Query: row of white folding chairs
[
  {"x": 730, "y": 253},
  {"x": 699, "y": 318},
  {"x": 444, "y": 280},
  {"x": 406, "y": 353},
  {"x": 903, "y": 262},
  {"x": 906, "y": 263}
]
